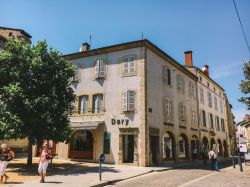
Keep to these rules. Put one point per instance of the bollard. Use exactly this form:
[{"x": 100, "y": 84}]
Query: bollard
[{"x": 100, "y": 171}]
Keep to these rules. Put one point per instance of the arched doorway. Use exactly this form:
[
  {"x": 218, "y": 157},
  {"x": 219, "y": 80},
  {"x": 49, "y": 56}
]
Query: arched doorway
[
  {"x": 168, "y": 146},
  {"x": 81, "y": 145},
  {"x": 194, "y": 147},
  {"x": 204, "y": 144},
  {"x": 225, "y": 147},
  {"x": 212, "y": 143},
  {"x": 183, "y": 146},
  {"x": 220, "y": 148}
]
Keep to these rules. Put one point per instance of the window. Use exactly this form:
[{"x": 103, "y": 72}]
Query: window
[
  {"x": 209, "y": 96},
  {"x": 106, "y": 143},
  {"x": 222, "y": 125},
  {"x": 191, "y": 89},
  {"x": 217, "y": 123},
  {"x": 99, "y": 69},
  {"x": 211, "y": 120},
  {"x": 215, "y": 103},
  {"x": 129, "y": 65},
  {"x": 83, "y": 104},
  {"x": 200, "y": 79},
  {"x": 201, "y": 95},
  {"x": 128, "y": 100},
  {"x": 193, "y": 120},
  {"x": 77, "y": 76},
  {"x": 221, "y": 107},
  {"x": 182, "y": 111},
  {"x": 97, "y": 103},
  {"x": 169, "y": 109},
  {"x": 166, "y": 76},
  {"x": 203, "y": 118},
  {"x": 208, "y": 84},
  {"x": 181, "y": 84}
]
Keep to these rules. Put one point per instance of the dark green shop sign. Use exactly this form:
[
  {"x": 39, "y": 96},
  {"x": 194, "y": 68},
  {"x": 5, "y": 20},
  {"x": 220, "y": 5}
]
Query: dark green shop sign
[{"x": 119, "y": 121}]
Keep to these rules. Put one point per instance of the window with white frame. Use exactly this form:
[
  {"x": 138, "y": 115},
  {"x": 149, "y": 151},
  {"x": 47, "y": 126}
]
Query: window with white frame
[
  {"x": 129, "y": 65},
  {"x": 191, "y": 89},
  {"x": 215, "y": 103},
  {"x": 169, "y": 108},
  {"x": 97, "y": 103},
  {"x": 209, "y": 96},
  {"x": 100, "y": 69},
  {"x": 180, "y": 84},
  {"x": 222, "y": 125},
  {"x": 182, "y": 111},
  {"x": 128, "y": 100},
  {"x": 193, "y": 119},
  {"x": 201, "y": 95},
  {"x": 221, "y": 107},
  {"x": 83, "y": 104},
  {"x": 166, "y": 76}
]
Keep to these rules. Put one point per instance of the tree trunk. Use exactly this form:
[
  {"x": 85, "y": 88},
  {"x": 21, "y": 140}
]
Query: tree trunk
[{"x": 29, "y": 160}]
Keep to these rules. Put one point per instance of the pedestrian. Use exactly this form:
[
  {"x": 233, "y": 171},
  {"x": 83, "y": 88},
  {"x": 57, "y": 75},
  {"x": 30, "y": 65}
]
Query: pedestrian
[
  {"x": 204, "y": 157},
  {"x": 43, "y": 162},
  {"x": 6, "y": 156},
  {"x": 213, "y": 158}
]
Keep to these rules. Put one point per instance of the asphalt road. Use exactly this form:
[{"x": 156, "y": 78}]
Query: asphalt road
[{"x": 193, "y": 177}]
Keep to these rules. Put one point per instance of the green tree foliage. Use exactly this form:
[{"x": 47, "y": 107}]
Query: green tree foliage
[
  {"x": 245, "y": 85},
  {"x": 35, "y": 93}
]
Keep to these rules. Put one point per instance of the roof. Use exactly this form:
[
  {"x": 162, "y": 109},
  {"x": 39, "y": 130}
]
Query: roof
[
  {"x": 21, "y": 30},
  {"x": 2, "y": 37},
  {"x": 128, "y": 45}
]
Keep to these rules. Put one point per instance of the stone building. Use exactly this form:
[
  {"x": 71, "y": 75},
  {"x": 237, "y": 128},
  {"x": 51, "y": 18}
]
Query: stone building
[
  {"x": 243, "y": 128},
  {"x": 139, "y": 106},
  {"x": 212, "y": 104},
  {"x": 5, "y": 34}
]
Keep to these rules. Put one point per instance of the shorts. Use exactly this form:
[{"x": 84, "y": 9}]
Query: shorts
[
  {"x": 43, "y": 166},
  {"x": 3, "y": 165}
]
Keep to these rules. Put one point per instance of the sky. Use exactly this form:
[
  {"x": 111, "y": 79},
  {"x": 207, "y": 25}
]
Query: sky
[{"x": 209, "y": 28}]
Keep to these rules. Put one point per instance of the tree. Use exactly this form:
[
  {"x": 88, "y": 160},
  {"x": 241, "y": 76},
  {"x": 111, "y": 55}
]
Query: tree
[
  {"x": 35, "y": 93},
  {"x": 245, "y": 85}
]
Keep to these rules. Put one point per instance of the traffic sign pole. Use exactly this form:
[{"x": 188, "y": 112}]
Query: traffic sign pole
[{"x": 101, "y": 160}]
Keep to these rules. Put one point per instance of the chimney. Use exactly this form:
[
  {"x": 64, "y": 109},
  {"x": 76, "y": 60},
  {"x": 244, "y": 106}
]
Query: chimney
[
  {"x": 205, "y": 70},
  {"x": 188, "y": 59},
  {"x": 85, "y": 47}
]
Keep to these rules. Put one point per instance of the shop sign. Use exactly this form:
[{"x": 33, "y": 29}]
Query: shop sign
[{"x": 119, "y": 121}]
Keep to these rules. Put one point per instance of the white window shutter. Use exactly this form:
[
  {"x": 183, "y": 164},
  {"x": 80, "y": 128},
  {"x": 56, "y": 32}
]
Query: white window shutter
[
  {"x": 125, "y": 65},
  {"x": 101, "y": 68},
  {"x": 97, "y": 68},
  {"x": 132, "y": 65},
  {"x": 125, "y": 101},
  {"x": 131, "y": 100}
]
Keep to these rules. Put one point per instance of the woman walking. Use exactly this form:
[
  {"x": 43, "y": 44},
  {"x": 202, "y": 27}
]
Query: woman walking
[
  {"x": 5, "y": 157},
  {"x": 43, "y": 163},
  {"x": 213, "y": 157}
]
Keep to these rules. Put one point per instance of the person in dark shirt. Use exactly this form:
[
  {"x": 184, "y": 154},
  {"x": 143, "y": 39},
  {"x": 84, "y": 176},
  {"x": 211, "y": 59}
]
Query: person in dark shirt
[{"x": 5, "y": 157}]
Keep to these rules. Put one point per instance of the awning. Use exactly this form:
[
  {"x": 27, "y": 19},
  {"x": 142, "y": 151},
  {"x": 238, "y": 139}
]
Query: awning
[{"x": 90, "y": 125}]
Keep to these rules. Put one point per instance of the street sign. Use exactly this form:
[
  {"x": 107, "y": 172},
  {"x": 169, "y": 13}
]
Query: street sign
[{"x": 101, "y": 158}]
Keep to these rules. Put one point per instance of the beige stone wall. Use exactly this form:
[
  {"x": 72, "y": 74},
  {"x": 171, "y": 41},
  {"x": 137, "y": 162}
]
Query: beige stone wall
[
  {"x": 111, "y": 87},
  {"x": 157, "y": 91},
  {"x": 18, "y": 144},
  {"x": 14, "y": 33}
]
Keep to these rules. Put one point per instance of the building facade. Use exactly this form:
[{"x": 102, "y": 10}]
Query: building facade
[
  {"x": 138, "y": 106},
  {"x": 243, "y": 128}
]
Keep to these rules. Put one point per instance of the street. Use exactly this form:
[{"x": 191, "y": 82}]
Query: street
[{"x": 228, "y": 177}]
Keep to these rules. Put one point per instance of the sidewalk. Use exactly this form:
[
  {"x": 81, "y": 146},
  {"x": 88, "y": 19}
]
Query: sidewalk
[{"x": 89, "y": 176}]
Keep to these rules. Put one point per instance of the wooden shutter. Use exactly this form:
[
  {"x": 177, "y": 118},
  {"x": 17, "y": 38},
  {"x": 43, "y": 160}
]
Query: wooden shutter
[
  {"x": 97, "y": 69},
  {"x": 126, "y": 65},
  {"x": 131, "y": 100},
  {"x": 101, "y": 68},
  {"x": 124, "y": 101},
  {"x": 132, "y": 65}
]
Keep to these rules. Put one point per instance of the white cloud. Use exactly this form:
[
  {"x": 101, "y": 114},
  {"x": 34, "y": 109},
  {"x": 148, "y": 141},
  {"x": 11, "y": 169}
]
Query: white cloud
[
  {"x": 226, "y": 70},
  {"x": 239, "y": 114}
]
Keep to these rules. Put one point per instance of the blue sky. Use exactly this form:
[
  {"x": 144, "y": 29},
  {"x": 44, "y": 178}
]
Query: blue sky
[{"x": 209, "y": 28}]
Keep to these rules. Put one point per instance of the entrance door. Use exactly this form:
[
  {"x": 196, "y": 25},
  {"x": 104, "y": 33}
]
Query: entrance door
[
  {"x": 128, "y": 148},
  {"x": 154, "y": 146}
]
